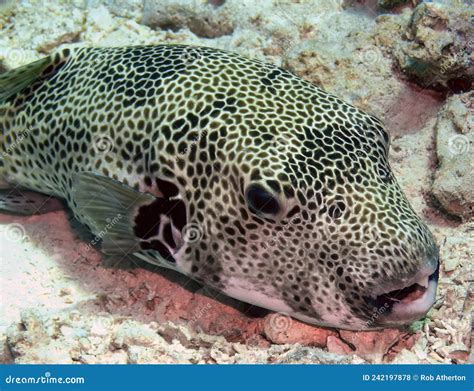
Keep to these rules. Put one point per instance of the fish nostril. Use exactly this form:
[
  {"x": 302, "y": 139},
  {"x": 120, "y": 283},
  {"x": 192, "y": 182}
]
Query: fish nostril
[
  {"x": 429, "y": 266},
  {"x": 435, "y": 275}
]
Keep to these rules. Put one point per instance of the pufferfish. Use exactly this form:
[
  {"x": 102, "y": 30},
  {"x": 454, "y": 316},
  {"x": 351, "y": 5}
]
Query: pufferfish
[{"x": 234, "y": 172}]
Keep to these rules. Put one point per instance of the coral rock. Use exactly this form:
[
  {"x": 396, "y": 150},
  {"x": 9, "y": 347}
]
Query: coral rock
[{"x": 453, "y": 185}]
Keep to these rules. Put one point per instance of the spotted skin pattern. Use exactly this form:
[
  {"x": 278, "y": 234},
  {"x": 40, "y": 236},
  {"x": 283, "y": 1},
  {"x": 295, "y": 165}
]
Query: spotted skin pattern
[{"x": 209, "y": 124}]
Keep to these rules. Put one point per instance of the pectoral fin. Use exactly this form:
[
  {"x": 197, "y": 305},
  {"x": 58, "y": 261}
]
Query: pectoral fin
[{"x": 130, "y": 222}]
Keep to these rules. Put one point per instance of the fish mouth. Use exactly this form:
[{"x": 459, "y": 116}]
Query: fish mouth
[{"x": 409, "y": 302}]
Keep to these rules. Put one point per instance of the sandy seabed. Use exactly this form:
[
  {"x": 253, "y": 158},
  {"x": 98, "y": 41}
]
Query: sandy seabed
[{"x": 61, "y": 303}]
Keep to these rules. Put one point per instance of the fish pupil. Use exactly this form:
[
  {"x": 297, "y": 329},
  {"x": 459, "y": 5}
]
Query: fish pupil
[{"x": 260, "y": 201}]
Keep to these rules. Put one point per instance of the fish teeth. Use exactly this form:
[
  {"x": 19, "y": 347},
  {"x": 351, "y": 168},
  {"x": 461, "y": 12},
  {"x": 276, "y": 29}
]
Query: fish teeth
[{"x": 423, "y": 282}]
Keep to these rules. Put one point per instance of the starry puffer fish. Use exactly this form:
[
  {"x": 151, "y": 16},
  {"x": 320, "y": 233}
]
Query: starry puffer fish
[{"x": 236, "y": 173}]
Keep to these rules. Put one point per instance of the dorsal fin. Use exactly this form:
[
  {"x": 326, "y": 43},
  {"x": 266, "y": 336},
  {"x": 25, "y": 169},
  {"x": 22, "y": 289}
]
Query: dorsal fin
[{"x": 14, "y": 81}]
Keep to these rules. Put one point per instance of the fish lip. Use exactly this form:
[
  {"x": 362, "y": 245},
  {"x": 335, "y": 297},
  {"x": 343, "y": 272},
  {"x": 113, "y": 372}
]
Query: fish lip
[
  {"x": 422, "y": 277},
  {"x": 401, "y": 312}
]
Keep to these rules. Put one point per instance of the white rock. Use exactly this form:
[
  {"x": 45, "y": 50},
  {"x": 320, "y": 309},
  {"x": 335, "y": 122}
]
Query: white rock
[{"x": 101, "y": 19}]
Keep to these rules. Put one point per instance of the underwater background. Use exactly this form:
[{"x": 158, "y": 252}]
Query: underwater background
[{"x": 410, "y": 63}]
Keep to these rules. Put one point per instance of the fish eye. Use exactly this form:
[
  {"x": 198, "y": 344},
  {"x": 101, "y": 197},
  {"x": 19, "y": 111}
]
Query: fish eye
[{"x": 261, "y": 202}]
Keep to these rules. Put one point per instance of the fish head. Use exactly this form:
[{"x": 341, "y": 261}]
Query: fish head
[{"x": 311, "y": 222}]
